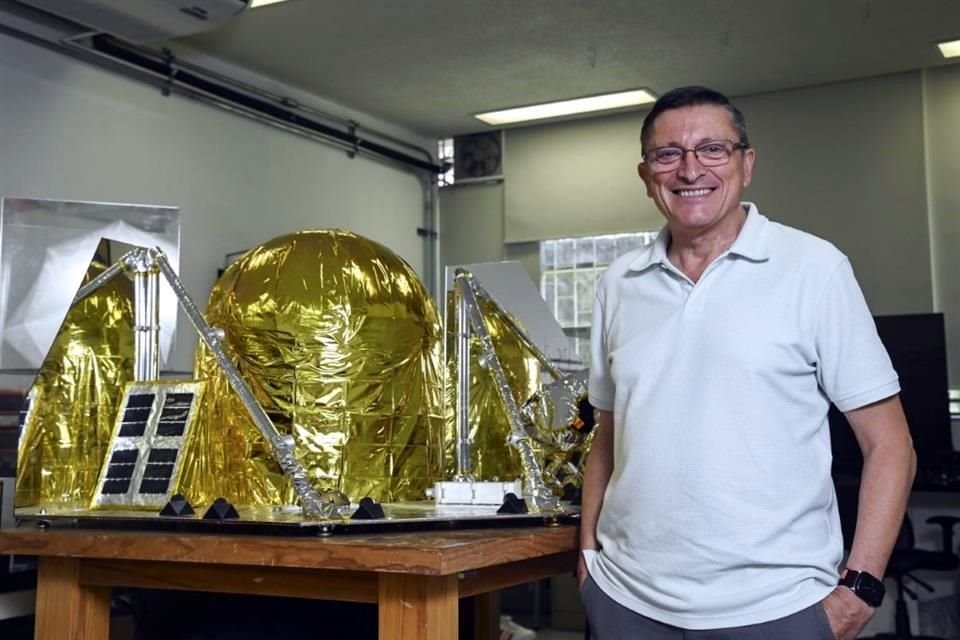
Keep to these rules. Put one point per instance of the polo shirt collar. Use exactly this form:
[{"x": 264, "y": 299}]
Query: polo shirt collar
[
  {"x": 654, "y": 254},
  {"x": 751, "y": 242}
]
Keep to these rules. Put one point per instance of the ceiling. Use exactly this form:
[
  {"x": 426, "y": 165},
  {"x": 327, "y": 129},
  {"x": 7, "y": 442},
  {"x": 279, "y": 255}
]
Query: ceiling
[{"x": 428, "y": 65}]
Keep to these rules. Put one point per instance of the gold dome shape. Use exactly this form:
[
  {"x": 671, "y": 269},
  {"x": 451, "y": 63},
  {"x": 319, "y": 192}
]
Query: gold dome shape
[{"x": 341, "y": 345}]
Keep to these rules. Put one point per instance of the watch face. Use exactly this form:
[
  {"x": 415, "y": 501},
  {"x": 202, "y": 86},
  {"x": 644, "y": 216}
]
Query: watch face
[
  {"x": 868, "y": 588},
  {"x": 871, "y": 590}
]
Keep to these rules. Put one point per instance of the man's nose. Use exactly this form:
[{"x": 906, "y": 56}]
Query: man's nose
[{"x": 690, "y": 168}]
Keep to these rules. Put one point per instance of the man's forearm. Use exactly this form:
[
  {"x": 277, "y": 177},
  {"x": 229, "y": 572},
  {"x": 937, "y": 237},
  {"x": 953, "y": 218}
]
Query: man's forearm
[
  {"x": 889, "y": 465},
  {"x": 595, "y": 479}
]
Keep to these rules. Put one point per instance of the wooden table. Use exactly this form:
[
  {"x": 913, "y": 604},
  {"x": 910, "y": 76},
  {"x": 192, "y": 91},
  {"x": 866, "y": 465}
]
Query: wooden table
[{"x": 416, "y": 578}]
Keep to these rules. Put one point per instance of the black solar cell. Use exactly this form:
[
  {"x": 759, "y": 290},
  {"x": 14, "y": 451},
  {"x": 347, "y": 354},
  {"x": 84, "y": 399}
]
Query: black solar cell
[
  {"x": 159, "y": 470},
  {"x": 136, "y": 414},
  {"x": 170, "y": 429},
  {"x": 154, "y": 485},
  {"x": 163, "y": 455},
  {"x": 120, "y": 471},
  {"x": 141, "y": 400},
  {"x": 124, "y": 456},
  {"x": 115, "y": 487},
  {"x": 178, "y": 399},
  {"x": 133, "y": 429},
  {"x": 175, "y": 413}
]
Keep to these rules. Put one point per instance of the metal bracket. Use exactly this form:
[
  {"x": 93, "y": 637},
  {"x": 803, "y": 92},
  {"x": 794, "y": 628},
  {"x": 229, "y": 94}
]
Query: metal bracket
[
  {"x": 540, "y": 496},
  {"x": 355, "y": 149},
  {"x": 171, "y": 61},
  {"x": 464, "y": 445}
]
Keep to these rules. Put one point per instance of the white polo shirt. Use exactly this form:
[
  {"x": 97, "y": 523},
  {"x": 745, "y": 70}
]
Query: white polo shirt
[{"x": 720, "y": 511}]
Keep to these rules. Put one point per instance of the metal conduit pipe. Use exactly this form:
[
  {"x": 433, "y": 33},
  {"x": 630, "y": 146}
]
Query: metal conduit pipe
[
  {"x": 295, "y": 104},
  {"x": 430, "y": 232},
  {"x": 169, "y": 68},
  {"x": 285, "y": 101}
]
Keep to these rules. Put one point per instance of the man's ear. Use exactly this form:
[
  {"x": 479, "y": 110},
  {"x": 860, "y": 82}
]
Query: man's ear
[
  {"x": 749, "y": 158},
  {"x": 643, "y": 170}
]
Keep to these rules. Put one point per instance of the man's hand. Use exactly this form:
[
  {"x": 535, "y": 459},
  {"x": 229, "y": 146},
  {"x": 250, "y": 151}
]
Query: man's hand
[
  {"x": 846, "y": 613},
  {"x": 595, "y": 479}
]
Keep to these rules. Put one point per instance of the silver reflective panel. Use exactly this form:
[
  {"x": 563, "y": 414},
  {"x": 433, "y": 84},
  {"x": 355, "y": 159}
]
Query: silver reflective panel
[{"x": 45, "y": 250}]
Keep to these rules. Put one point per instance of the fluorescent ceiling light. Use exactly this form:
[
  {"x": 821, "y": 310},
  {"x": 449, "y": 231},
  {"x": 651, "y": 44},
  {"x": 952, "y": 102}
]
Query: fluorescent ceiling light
[
  {"x": 568, "y": 107},
  {"x": 262, "y": 3},
  {"x": 950, "y": 49}
]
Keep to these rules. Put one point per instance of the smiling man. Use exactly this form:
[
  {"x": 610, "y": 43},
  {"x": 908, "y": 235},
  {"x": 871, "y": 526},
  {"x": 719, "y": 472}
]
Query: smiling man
[{"x": 708, "y": 506}]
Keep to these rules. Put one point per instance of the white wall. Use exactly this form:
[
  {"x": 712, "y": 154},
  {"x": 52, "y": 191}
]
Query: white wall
[
  {"x": 71, "y": 131},
  {"x": 474, "y": 215},
  {"x": 846, "y": 162},
  {"x": 942, "y": 136},
  {"x": 570, "y": 179}
]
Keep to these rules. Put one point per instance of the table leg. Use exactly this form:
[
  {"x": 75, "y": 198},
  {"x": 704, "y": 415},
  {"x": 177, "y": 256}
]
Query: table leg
[
  {"x": 417, "y": 607},
  {"x": 486, "y": 616},
  {"x": 66, "y": 609}
]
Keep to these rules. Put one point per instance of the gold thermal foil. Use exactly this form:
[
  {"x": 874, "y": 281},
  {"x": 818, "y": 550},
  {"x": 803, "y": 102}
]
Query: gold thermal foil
[
  {"x": 340, "y": 343},
  {"x": 79, "y": 386},
  {"x": 554, "y": 412},
  {"x": 490, "y": 455},
  {"x": 561, "y": 421}
]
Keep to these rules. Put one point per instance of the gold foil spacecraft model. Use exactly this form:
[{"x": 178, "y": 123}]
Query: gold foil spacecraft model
[{"x": 319, "y": 381}]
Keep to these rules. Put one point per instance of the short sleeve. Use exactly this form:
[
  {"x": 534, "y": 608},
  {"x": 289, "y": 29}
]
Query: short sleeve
[
  {"x": 600, "y": 386},
  {"x": 853, "y": 367}
]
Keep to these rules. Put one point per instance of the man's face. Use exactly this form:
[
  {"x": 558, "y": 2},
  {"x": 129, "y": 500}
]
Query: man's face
[{"x": 693, "y": 197}]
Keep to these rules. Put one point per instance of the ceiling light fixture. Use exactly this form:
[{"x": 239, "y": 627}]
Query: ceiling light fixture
[
  {"x": 949, "y": 49},
  {"x": 568, "y": 107},
  {"x": 262, "y": 3}
]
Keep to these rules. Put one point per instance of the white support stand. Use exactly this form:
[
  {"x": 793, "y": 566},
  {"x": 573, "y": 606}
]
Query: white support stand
[{"x": 474, "y": 493}]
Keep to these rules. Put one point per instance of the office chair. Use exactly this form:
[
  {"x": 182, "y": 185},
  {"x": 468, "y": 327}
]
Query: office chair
[{"x": 907, "y": 558}]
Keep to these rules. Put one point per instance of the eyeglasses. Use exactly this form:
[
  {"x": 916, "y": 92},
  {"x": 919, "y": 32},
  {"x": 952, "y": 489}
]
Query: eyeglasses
[{"x": 710, "y": 154}]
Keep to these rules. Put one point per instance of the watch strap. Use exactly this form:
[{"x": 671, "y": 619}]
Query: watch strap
[{"x": 865, "y": 586}]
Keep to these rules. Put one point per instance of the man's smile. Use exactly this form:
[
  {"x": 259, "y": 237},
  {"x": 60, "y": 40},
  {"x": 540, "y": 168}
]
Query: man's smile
[{"x": 693, "y": 193}]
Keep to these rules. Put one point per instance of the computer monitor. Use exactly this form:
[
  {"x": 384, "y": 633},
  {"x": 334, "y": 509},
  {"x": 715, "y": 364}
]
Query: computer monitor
[{"x": 917, "y": 347}]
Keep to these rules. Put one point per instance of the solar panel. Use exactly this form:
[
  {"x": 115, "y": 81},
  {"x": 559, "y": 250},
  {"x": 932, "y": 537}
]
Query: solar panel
[{"x": 151, "y": 428}]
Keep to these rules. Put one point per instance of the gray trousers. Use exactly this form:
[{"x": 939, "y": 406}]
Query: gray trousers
[{"x": 610, "y": 620}]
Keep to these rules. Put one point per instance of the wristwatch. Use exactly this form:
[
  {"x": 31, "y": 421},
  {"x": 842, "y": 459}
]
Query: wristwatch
[{"x": 867, "y": 588}]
